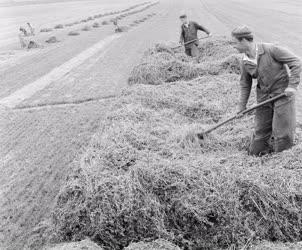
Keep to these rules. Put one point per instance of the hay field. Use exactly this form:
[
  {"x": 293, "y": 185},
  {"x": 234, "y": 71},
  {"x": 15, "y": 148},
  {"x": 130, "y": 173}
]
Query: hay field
[
  {"x": 40, "y": 144},
  {"x": 141, "y": 180},
  {"x": 16, "y": 14}
]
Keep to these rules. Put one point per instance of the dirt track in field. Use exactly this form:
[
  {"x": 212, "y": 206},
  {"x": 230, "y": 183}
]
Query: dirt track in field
[{"x": 39, "y": 146}]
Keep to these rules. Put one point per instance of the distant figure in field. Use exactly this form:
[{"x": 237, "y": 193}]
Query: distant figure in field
[
  {"x": 277, "y": 71},
  {"x": 115, "y": 23},
  {"x": 27, "y": 42},
  {"x": 24, "y": 31},
  {"x": 189, "y": 33},
  {"x": 21, "y": 35},
  {"x": 32, "y": 30}
]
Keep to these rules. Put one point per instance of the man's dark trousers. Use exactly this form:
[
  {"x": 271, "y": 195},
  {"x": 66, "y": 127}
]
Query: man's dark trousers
[
  {"x": 277, "y": 120},
  {"x": 192, "y": 50}
]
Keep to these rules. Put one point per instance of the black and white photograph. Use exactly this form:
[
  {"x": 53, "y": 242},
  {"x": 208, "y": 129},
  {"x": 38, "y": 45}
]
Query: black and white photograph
[{"x": 150, "y": 125}]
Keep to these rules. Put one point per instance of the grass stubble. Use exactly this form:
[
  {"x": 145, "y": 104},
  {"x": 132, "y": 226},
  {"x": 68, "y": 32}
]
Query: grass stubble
[{"x": 141, "y": 181}]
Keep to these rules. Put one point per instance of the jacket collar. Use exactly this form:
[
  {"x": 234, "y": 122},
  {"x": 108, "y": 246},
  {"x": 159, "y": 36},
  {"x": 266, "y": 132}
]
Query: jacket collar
[{"x": 189, "y": 24}]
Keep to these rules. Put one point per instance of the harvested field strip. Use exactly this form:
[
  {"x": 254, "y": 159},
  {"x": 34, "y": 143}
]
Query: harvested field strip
[
  {"x": 27, "y": 91},
  {"x": 65, "y": 103},
  {"x": 141, "y": 180}
]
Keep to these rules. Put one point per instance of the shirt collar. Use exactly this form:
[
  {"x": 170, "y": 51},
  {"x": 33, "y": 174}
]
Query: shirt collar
[{"x": 248, "y": 59}]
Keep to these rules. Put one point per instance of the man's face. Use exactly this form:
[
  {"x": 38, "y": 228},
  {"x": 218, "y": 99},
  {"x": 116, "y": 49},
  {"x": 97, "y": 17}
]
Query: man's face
[
  {"x": 241, "y": 46},
  {"x": 184, "y": 20}
]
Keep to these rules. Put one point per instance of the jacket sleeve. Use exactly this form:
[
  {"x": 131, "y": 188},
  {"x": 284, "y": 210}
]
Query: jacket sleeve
[
  {"x": 293, "y": 62},
  {"x": 246, "y": 82},
  {"x": 202, "y": 28},
  {"x": 182, "y": 35}
]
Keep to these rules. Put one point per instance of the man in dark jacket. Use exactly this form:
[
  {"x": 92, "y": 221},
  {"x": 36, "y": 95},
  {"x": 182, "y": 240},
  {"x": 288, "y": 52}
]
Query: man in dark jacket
[
  {"x": 277, "y": 71},
  {"x": 189, "y": 33}
]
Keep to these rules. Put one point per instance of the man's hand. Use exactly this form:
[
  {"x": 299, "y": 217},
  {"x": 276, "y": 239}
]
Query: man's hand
[
  {"x": 289, "y": 91},
  {"x": 210, "y": 34},
  {"x": 181, "y": 42}
]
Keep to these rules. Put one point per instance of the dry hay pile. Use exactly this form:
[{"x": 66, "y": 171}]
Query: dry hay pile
[
  {"x": 96, "y": 25},
  {"x": 52, "y": 39},
  {"x": 194, "y": 99},
  {"x": 98, "y": 16},
  {"x": 140, "y": 180},
  {"x": 59, "y": 26},
  {"x": 86, "y": 28},
  {"x": 215, "y": 47},
  {"x": 162, "y": 64},
  {"x": 121, "y": 29},
  {"x": 46, "y": 30},
  {"x": 73, "y": 33}
]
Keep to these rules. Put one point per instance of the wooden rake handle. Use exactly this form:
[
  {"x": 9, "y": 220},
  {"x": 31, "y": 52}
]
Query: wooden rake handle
[
  {"x": 192, "y": 41},
  {"x": 242, "y": 113}
]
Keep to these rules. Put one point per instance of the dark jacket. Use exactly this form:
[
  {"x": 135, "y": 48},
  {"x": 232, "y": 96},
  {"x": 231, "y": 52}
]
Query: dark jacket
[
  {"x": 271, "y": 73},
  {"x": 190, "y": 33}
]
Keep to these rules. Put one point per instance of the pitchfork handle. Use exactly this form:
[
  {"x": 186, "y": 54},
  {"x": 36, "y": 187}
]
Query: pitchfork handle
[
  {"x": 244, "y": 112},
  {"x": 192, "y": 41}
]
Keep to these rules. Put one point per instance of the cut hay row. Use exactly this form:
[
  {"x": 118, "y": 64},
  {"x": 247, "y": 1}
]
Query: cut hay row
[
  {"x": 59, "y": 26},
  {"x": 136, "y": 11},
  {"x": 91, "y": 18},
  {"x": 142, "y": 185},
  {"x": 52, "y": 39},
  {"x": 73, "y": 33},
  {"x": 46, "y": 30},
  {"x": 136, "y": 22},
  {"x": 96, "y": 25},
  {"x": 120, "y": 17},
  {"x": 86, "y": 28}
]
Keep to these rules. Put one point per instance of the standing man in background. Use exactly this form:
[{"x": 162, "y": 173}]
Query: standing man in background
[{"x": 189, "y": 33}]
